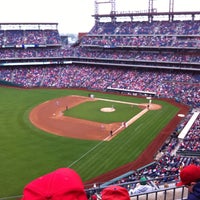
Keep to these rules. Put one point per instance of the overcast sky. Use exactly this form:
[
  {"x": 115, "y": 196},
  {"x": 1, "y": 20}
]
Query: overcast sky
[{"x": 75, "y": 16}]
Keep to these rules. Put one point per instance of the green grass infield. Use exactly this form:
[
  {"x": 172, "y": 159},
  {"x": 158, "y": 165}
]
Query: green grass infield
[{"x": 92, "y": 111}]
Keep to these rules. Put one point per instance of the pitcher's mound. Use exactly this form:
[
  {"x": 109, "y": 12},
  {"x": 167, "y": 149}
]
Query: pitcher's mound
[{"x": 108, "y": 109}]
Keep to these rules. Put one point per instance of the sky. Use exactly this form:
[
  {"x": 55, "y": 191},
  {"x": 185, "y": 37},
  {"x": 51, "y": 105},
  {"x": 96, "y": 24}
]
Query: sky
[{"x": 74, "y": 16}]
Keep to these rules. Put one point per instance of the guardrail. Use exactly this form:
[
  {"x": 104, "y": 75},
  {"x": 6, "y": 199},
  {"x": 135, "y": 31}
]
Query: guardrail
[{"x": 173, "y": 193}]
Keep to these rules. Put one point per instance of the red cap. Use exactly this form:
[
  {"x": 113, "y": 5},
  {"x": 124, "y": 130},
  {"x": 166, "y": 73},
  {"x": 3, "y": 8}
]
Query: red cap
[
  {"x": 62, "y": 184},
  {"x": 115, "y": 192},
  {"x": 188, "y": 174}
]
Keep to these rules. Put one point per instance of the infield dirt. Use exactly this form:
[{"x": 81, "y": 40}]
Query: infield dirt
[{"x": 48, "y": 116}]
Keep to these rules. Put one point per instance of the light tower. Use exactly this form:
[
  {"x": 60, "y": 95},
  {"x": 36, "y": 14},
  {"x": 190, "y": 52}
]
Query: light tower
[
  {"x": 151, "y": 10},
  {"x": 99, "y": 2},
  {"x": 171, "y": 9}
]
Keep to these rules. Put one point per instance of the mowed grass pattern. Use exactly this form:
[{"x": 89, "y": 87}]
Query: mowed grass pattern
[
  {"x": 27, "y": 152},
  {"x": 92, "y": 111}
]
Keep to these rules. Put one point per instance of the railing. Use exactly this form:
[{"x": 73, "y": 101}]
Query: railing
[{"x": 173, "y": 193}]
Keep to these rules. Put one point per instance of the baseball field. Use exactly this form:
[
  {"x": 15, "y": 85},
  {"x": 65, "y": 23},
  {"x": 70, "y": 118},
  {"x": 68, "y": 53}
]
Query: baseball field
[{"x": 45, "y": 129}]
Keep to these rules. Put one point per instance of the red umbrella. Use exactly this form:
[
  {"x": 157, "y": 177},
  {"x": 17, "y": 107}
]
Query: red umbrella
[{"x": 61, "y": 184}]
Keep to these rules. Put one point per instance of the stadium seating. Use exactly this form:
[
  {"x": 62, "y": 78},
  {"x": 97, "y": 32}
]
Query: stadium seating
[{"x": 120, "y": 41}]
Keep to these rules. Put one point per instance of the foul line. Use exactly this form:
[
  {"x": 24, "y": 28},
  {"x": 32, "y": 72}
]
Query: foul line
[
  {"x": 111, "y": 100},
  {"x": 85, "y": 154}
]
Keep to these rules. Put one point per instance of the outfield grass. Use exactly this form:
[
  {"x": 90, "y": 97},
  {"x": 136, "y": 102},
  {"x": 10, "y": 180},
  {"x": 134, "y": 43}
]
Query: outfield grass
[{"x": 27, "y": 152}]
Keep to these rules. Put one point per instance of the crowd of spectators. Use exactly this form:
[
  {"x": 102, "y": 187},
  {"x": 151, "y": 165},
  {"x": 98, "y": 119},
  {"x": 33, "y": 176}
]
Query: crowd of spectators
[
  {"x": 182, "y": 86},
  {"x": 192, "y": 140},
  {"x": 135, "y": 55},
  {"x": 144, "y": 27},
  {"x": 177, "y": 34},
  {"x": 146, "y": 57},
  {"x": 15, "y": 38},
  {"x": 140, "y": 41},
  {"x": 154, "y": 34},
  {"x": 167, "y": 163}
]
